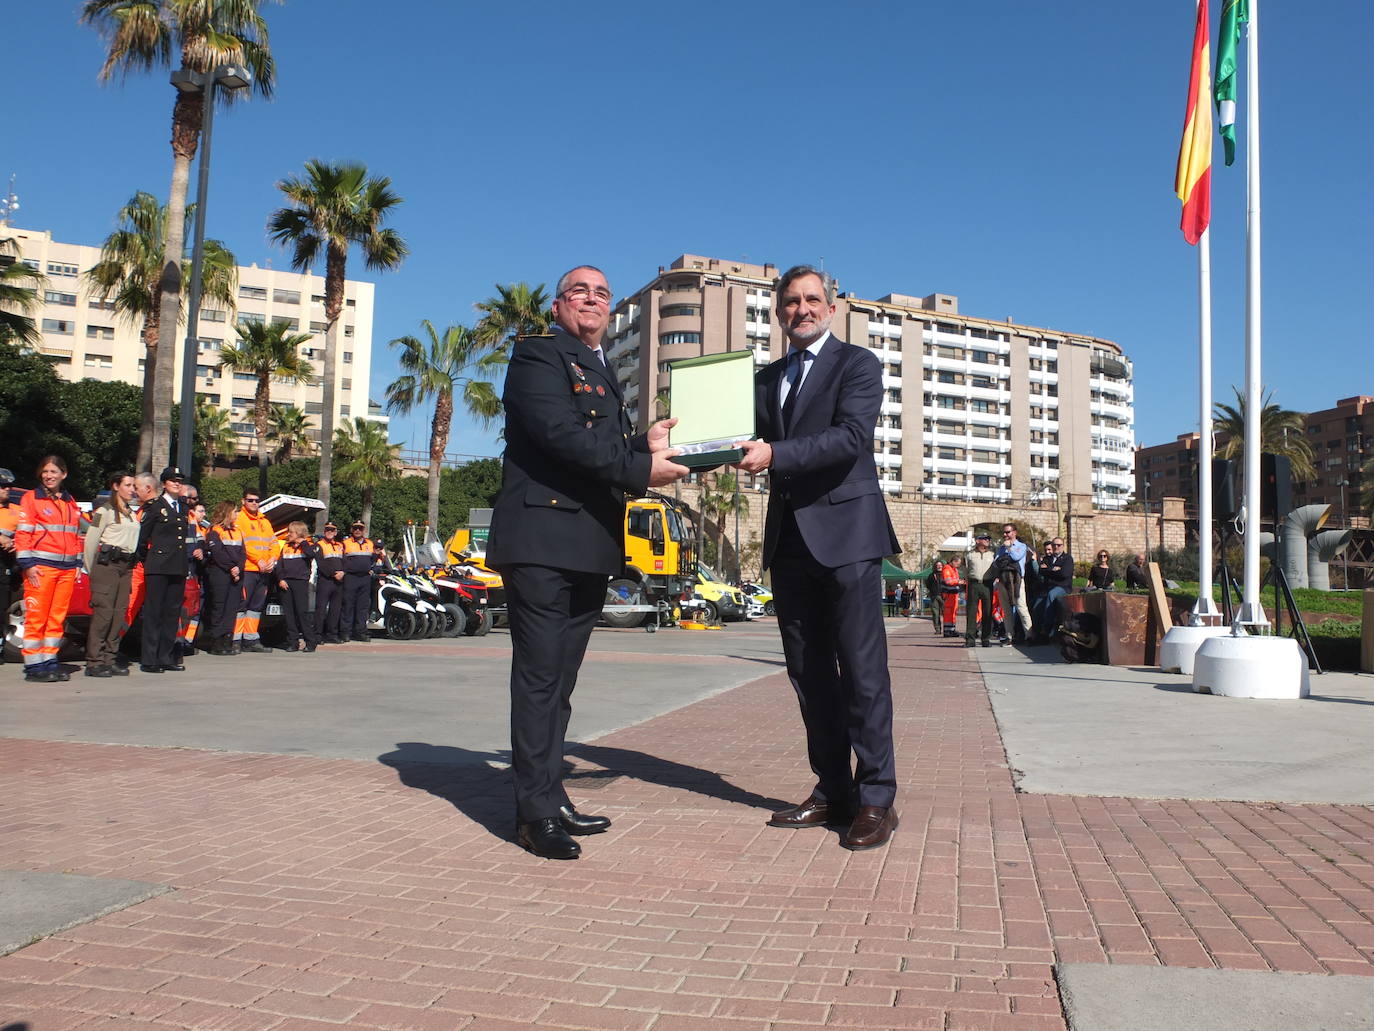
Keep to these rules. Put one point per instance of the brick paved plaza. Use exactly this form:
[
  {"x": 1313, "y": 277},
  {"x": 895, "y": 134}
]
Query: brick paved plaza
[{"x": 313, "y": 891}]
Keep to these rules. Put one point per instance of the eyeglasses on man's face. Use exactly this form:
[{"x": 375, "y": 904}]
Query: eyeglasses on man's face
[
  {"x": 250, "y": 501},
  {"x": 581, "y": 291}
]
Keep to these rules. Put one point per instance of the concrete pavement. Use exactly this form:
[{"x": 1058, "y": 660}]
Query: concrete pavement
[{"x": 370, "y": 882}]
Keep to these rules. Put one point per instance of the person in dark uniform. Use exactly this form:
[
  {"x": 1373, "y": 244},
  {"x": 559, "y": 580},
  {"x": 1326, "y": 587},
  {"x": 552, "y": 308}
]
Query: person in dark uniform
[
  {"x": 359, "y": 556},
  {"x": 298, "y": 553},
  {"x": 556, "y": 536},
  {"x": 162, "y": 547},
  {"x": 223, "y": 577},
  {"x": 329, "y": 585},
  {"x": 825, "y": 536}
]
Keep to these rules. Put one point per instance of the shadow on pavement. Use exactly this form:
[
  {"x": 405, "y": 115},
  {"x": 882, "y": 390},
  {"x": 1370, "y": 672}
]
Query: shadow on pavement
[{"x": 464, "y": 778}]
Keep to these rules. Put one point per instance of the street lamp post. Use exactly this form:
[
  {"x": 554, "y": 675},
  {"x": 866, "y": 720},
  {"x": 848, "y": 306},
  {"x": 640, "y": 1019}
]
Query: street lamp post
[
  {"x": 230, "y": 77},
  {"x": 1145, "y": 503},
  {"x": 1345, "y": 524},
  {"x": 739, "y": 569}
]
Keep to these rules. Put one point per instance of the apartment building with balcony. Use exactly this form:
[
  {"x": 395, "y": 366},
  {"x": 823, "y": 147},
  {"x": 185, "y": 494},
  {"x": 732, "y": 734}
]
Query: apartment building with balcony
[
  {"x": 85, "y": 339},
  {"x": 975, "y": 408}
]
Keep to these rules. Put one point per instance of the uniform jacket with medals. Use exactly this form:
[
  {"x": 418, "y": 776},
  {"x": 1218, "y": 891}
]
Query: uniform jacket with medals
[
  {"x": 823, "y": 465},
  {"x": 162, "y": 537},
  {"x": 571, "y": 457}
]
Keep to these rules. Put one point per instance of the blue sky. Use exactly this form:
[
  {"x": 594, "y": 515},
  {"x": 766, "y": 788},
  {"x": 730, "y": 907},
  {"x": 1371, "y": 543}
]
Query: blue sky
[{"x": 1020, "y": 156}]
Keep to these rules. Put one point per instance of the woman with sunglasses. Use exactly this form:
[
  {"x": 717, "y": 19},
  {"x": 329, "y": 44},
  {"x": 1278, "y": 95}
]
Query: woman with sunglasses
[{"x": 1100, "y": 575}]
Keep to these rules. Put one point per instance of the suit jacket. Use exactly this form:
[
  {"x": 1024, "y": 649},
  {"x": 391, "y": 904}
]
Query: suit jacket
[
  {"x": 823, "y": 468},
  {"x": 162, "y": 538},
  {"x": 570, "y": 459}
]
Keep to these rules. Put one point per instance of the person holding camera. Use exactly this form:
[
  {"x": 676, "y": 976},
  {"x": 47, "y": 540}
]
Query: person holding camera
[{"x": 109, "y": 550}]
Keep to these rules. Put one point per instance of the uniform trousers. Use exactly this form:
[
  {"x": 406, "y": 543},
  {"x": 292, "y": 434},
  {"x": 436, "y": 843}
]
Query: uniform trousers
[
  {"x": 978, "y": 613},
  {"x": 226, "y": 598},
  {"x": 250, "y": 611},
  {"x": 552, "y": 613},
  {"x": 357, "y": 604},
  {"x": 295, "y": 606},
  {"x": 45, "y": 616},
  {"x": 328, "y": 605},
  {"x": 109, "y": 599},
  {"x": 161, "y": 613},
  {"x": 836, "y": 650}
]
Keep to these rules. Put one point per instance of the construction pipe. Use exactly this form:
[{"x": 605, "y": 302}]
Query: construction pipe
[
  {"x": 1295, "y": 531},
  {"x": 1321, "y": 549}
]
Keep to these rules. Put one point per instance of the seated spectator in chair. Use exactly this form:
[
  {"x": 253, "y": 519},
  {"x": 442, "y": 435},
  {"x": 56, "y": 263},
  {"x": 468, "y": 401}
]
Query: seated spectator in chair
[
  {"x": 1100, "y": 574},
  {"x": 1137, "y": 579}
]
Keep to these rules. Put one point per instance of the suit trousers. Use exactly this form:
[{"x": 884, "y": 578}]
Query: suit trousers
[
  {"x": 328, "y": 605},
  {"x": 295, "y": 606},
  {"x": 161, "y": 615},
  {"x": 357, "y": 604},
  {"x": 552, "y": 613},
  {"x": 226, "y": 598},
  {"x": 833, "y": 638},
  {"x": 109, "y": 597}
]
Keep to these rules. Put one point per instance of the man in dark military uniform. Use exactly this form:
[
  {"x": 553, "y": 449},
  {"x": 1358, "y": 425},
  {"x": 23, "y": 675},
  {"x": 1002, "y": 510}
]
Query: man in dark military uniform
[
  {"x": 162, "y": 549},
  {"x": 556, "y": 537}
]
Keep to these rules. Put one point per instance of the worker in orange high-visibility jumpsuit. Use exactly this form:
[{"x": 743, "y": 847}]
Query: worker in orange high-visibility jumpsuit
[
  {"x": 145, "y": 489},
  {"x": 47, "y": 545},
  {"x": 949, "y": 588},
  {"x": 260, "y": 548}
]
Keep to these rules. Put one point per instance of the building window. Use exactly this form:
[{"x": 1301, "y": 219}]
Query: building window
[
  {"x": 668, "y": 339},
  {"x": 207, "y": 371},
  {"x": 61, "y": 268},
  {"x": 348, "y": 357},
  {"x": 344, "y": 411},
  {"x": 59, "y": 359},
  {"x": 58, "y": 297},
  {"x": 99, "y": 361},
  {"x": 253, "y": 293},
  {"x": 210, "y": 344},
  {"x": 251, "y": 318},
  {"x": 346, "y": 383},
  {"x": 348, "y": 331},
  {"x": 286, "y": 297},
  {"x": 318, "y": 327},
  {"x": 245, "y": 377},
  {"x": 100, "y": 305},
  {"x": 213, "y": 315},
  {"x": 99, "y": 332},
  {"x": 350, "y": 303},
  {"x": 62, "y": 327},
  {"x": 950, "y": 352},
  {"x": 669, "y": 311}
]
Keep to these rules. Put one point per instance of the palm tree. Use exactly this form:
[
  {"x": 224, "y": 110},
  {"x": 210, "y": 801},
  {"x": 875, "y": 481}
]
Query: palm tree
[
  {"x": 333, "y": 207},
  {"x": 289, "y": 429},
  {"x": 215, "y": 433},
  {"x": 267, "y": 352},
  {"x": 720, "y": 499},
  {"x": 19, "y": 285},
  {"x": 130, "y": 271},
  {"x": 516, "y": 310},
  {"x": 437, "y": 367},
  {"x": 366, "y": 458},
  {"x": 1282, "y": 432},
  {"x": 142, "y": 35}
]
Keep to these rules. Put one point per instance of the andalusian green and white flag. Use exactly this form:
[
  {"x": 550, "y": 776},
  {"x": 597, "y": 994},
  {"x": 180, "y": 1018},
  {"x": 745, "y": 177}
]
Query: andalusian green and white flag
[{"x": 1233, "y": 14}]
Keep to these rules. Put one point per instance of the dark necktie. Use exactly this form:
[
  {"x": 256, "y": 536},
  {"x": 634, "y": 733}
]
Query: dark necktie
[{"x": 796, "y": 368}]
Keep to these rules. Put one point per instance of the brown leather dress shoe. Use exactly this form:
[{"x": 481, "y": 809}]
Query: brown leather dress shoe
[
  {"x": 814, "y": 812},
  {"x": 872, "y": 826}
]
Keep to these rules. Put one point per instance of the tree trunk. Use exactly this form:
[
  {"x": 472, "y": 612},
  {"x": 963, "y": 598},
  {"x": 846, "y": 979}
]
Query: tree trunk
[
  {"x": 145, "y": 426},
  {"x": 260, "y": 424},
  {"x": 367, "y": 511},
  {"x": 438, "y": 441},
  {"x": 186, "y": 118},
  {"x": 336, "y": 266}
]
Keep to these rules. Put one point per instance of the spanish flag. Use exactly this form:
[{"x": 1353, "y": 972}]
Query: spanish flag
[{"x": 1193, "y": 181}]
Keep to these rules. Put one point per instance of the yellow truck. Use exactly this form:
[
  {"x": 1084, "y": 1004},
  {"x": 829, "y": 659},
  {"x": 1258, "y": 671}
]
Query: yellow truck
[{"x": 660, "y": 564}]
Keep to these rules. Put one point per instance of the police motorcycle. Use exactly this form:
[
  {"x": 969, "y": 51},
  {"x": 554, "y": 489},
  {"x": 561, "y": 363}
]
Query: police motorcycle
[
  {"x": 463, "y": 599},
  {"x": 395, "y": 606}
]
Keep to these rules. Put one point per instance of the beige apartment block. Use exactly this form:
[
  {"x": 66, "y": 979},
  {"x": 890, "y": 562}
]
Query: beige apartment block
[
  {"x": 85, "y": 339},
  {"x": 976, "y": 409}
]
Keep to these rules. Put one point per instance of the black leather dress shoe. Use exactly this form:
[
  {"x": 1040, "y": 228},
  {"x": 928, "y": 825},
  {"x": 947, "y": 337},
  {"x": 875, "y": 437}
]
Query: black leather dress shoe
[
  {"x": 174, "y": 668},
  {"x": 547, "y": 839},
  {"x": 149, "y": 669},
  {"x": 580, "y": 823},
  {"x": 814, "y": 812}
]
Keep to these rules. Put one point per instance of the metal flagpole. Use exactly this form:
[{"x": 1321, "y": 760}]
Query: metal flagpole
[
  {"x": 1205, "y": 609},
  {"x": 1251, "y": 612}
]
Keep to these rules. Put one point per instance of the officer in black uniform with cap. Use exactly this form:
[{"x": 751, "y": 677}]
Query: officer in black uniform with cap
[
  {"x": 329, "y": 577},
  {"x": 162, "y": 549}
]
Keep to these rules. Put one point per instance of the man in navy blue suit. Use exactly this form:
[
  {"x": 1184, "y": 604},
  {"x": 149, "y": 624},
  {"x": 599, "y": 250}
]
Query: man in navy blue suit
[{"x": 826, "y": 534}]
